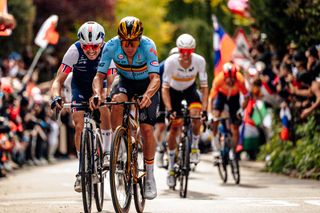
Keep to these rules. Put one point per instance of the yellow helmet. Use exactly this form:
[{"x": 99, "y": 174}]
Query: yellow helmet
[{"x": 130, "y": 28}]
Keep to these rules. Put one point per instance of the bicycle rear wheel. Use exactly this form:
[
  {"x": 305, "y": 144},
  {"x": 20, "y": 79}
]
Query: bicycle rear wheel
[
  {"x": 138, "y": 188},
  {"x": 120, "y": 178},
  {"x": 85, "y": 161},
  {"x": 235, "y": 170},
  {"x": 185, "y": 167},
  {"x": 98, "y": 188}
]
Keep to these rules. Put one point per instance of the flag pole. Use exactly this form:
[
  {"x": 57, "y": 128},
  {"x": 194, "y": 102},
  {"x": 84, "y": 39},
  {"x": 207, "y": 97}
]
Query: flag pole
[{"x": 33, "y": 65}]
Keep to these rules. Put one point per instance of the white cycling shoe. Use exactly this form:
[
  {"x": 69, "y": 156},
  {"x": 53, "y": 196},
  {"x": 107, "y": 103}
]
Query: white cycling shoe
[
  {"x": 150, "y": 188},
  {"x": 195, "y": 156},
  {"x": 171, "y": 180},
  {"x": 106, "y": 160},
  {"x": 77, "y": 184}
]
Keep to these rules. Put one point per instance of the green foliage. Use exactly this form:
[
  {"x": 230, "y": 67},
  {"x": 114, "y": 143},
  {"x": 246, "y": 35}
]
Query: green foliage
[
  {"x": 301, "y": 160},
  {"x": 151, "y": 13},
  {"x": 284, "y": 20},
  {"x": 24, "y": 13}
]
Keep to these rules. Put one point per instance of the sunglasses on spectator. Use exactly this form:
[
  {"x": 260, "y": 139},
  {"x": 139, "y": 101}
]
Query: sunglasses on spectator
[
  {"x": 186, "y": 51},
  {"x": 87, "y": 47},
  {"x": 132, "y": 43}
]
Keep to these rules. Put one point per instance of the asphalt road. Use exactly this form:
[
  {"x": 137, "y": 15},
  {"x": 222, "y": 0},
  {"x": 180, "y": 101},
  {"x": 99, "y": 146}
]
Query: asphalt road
[{"x": 49, "y": 189}]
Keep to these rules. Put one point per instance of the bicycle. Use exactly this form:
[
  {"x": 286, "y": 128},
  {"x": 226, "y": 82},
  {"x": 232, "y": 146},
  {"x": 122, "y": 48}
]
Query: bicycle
[
  {"x": 225, "y": 139},
  {"x": 91, "y": 158},
  {"x": 182, "y": 167},
  {"x": 127, "y": 167}
]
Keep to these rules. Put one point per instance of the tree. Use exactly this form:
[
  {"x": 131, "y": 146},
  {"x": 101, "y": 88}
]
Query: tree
[
  {"x": 151, "y": 13},
  {"x": 24, "y": 13},
  {"x": 284, "y": 21}
]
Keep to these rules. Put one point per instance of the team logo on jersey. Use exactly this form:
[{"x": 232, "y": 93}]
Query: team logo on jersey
[
  {"x": 191, "y": 69},
  {"x": 120, "y": 56},
  {"x": 101, "y": 64},
  {"x": 153, "y": 51},
  {"x": 139, "y": 57},
  {"x": 154, "y": 63}
]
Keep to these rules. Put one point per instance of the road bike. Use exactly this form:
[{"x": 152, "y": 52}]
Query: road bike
[
  {"x": 91, "y": 157},
  {"x": 227, "y": 153},
  {"x": 127, "y": 167},
  {"x": 183, "y": 165}
]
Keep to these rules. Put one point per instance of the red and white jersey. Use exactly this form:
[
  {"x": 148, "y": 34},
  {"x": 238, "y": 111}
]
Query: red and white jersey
[{"x": 178, "y": 78}]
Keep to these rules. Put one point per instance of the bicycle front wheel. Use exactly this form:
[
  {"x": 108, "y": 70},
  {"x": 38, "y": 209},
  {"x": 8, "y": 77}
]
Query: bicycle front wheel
[
  {"x": 138, "y": 188},
  {"x": 85, "y": 161},
  {"x": 120, "y": 178},
  {"x": 185, "y": 167},
  {"x": 98, "y": 188}
]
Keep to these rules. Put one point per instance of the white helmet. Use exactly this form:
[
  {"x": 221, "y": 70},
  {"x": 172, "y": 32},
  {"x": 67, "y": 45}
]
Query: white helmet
[
  {"x": 91, "y": 33},
  {"x": 174, "y": 50},
  {"x": 186, "y": 41}
]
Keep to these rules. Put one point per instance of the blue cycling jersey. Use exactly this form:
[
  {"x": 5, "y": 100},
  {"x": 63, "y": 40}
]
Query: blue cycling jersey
[{"x": 145, "y": 60}]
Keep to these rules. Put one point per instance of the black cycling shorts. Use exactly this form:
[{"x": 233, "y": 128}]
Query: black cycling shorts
[{"x": 233, "y": 103}]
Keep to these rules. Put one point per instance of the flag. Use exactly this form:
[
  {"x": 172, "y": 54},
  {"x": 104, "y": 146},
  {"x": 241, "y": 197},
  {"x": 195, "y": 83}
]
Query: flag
[
  {"x": 223, "y": 46},
  {"x": 4, "y": 11},
  {"x": 239, "y": 7},
  {"x": 47, "y": 33}
]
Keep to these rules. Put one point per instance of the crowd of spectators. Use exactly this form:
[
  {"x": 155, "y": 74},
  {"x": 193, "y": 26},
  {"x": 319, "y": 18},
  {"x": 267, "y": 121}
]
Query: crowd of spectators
[{"x": 30, "y": 134}]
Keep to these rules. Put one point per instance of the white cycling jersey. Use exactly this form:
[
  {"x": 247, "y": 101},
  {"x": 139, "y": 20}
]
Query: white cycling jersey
[{"x": 178, "y": 78}]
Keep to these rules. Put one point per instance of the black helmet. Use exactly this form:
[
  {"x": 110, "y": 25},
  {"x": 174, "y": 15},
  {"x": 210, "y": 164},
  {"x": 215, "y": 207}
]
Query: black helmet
[{"x": 130, "y": 28}]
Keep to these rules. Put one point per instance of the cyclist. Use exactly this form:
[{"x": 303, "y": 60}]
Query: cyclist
[
  {"x": 160, "y": 123},
  {"x": 82, "y": 60},
  {"x": 226, "y": 89},
  {"x": 135, "y": 57},
  {"x": 179, "y": 82}
]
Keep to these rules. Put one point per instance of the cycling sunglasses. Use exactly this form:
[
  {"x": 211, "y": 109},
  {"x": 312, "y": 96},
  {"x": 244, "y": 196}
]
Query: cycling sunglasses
[
  {"x": 186, "y": 51},
  {"x": 87, "y": 47},
  {"x": 132, "y": 43}
]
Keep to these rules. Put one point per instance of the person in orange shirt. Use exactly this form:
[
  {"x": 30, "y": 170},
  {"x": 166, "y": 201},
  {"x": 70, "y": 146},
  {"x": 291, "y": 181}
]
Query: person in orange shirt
[{"x": 226, "y": 89}]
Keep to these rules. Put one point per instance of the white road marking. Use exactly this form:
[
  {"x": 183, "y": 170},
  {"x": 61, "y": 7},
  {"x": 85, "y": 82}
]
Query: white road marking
[{"x": 313, "y": 202}]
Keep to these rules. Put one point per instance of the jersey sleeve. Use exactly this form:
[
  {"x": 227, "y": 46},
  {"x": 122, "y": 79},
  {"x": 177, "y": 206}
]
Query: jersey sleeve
[
  {"x": 69, "y": 59},
  {"x": 203, "y": 76},
  {"x": 215, "y": 86},
  {"x": 167, "y": 73},
  {"x": 152, "y": 57},
  {"x": 107, "y": 56}
]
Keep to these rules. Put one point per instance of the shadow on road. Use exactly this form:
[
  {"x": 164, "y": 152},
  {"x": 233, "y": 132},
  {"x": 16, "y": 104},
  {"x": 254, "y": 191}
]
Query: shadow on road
[
  {"x": 243, "y": 185},
  {"x": 192, "y": 195}
]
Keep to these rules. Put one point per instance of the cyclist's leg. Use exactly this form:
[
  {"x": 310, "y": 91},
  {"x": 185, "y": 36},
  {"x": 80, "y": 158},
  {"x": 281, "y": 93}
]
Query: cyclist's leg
[
  {"x": 77, "y": 116},
  {"x": 117, "y": 110},
  {"x": 234, "y": 106},
  {"x": 147, "y": 120},
  {"x": 106, "y": 133},
  {"x": 160, "y": 127},
  {"x": 218, "y": 106},
  {"x": 194, "y": 103}
]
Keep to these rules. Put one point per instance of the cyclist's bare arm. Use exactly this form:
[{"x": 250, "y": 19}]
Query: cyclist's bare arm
[
  {"x": 58, "y": 82},
  {"x": 204, "y": 92},
  {"x": 153, "y": 87},
  {"x": 97, "y": 84}
]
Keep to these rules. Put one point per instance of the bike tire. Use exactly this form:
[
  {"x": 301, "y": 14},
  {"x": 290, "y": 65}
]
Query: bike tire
[
  {"x": 138, "y": 188},
  {"x": 185, "y": 169},
  {"x": 86, "y": 178},
  {"x": 223, "y": 162},
  {"x": 98, "y": 188},
  {"x": 118, "y": 166},
  {"x": 235, "y": 170}
]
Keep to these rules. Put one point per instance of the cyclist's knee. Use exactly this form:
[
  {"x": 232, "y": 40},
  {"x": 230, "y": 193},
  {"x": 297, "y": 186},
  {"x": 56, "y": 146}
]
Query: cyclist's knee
[{"x": 119, "y": 97}]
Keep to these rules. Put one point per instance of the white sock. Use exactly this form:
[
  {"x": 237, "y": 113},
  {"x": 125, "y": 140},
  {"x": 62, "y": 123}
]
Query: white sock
[
  {"x": 78, "y": 155},
  {"x": 195, "y": 141},
  {"x": 215, "y": 143},
  {"x": 172, "y": 155},
  {"x": 149, "y": 170},
  {"x": 106, "y": 139}
]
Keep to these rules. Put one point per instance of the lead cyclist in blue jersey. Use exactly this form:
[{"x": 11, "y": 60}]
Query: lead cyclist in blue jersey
[{"x": 136, "y": 60}]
